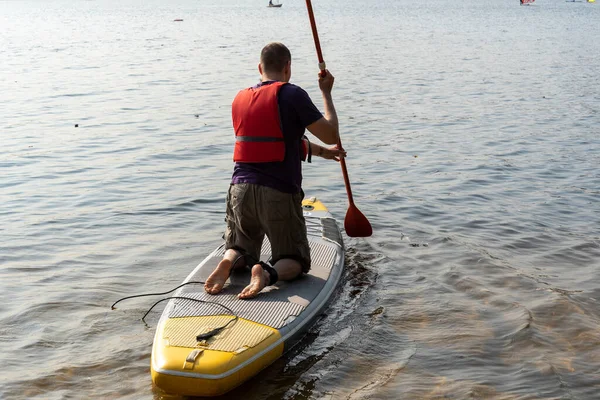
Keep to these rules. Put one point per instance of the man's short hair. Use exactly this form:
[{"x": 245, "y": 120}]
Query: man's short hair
[{"x": 274, "y": 57}]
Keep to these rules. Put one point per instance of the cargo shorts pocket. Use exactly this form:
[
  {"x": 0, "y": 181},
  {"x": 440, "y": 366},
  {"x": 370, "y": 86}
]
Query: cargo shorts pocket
[
  {"x": 278, "y": 206},
  {"x": 235, "y": 197}
]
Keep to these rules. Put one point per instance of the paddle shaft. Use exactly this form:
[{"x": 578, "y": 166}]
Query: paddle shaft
[{"x": 313, "y": 26}]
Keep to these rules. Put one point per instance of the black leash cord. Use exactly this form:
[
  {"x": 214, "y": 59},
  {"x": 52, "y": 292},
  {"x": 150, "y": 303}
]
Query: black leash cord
[
  {"x": 156, "y": 294},
  {"x": 172, "y": 290},
  {"x": 200, "y": 337}
]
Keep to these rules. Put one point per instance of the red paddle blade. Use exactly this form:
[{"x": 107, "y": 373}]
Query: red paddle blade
[{"x": 356, "y": 224}]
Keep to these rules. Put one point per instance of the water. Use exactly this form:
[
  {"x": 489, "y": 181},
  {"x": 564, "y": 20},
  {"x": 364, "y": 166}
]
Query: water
[{"x": 472, "y": 130}]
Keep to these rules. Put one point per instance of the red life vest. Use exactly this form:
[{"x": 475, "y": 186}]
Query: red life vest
[{"x": 257, "y": 125}]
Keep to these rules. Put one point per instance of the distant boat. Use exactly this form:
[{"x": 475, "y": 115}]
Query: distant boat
[
  {"x": 526, "y": 2},
  {"x": 274, "y": 5}
]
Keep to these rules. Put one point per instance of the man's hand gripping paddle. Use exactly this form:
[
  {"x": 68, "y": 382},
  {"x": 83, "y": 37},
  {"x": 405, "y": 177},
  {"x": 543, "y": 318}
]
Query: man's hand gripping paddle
[{"x": 355, "y": 223}]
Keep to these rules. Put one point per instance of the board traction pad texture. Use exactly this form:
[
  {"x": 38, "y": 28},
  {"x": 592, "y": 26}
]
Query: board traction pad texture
[{"x": 274, "y": 305}]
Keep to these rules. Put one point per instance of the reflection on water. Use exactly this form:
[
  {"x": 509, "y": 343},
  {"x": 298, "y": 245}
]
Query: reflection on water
[{"x": 473, "y": 142}]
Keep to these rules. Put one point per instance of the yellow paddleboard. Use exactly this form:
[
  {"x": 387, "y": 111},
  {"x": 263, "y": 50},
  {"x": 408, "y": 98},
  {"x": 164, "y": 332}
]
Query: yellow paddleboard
[{"x": 206, "y": 349}]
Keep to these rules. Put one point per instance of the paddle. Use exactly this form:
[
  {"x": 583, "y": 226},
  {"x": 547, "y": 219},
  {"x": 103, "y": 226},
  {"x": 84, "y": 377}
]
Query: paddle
[{"x": 355, "y": 223}]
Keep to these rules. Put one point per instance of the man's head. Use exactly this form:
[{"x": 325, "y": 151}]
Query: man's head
[{"x": 275, "y": 62}]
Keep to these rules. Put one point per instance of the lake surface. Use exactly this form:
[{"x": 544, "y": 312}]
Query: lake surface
[{"x": 473, "y": 138}]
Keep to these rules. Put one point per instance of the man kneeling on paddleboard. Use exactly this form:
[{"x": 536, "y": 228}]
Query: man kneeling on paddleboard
[{"x": 265, "y": 195}]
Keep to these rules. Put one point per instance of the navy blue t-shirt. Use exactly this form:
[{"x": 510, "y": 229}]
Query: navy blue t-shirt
[{"x": 296, "y": 111}]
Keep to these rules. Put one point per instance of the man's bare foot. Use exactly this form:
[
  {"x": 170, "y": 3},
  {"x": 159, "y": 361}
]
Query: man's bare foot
[
  {"x": 258, "y": 281},
  {"x": 215, "y": 282}
]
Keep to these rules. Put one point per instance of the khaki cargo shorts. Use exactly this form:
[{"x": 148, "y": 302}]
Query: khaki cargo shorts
[{"x": 254, "y": 211}]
